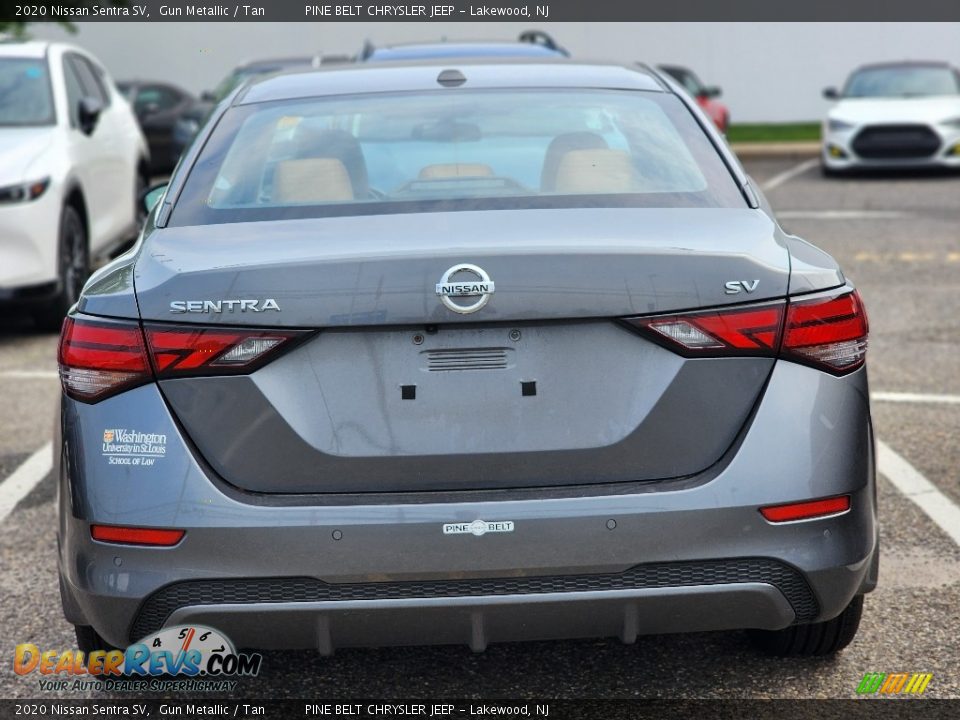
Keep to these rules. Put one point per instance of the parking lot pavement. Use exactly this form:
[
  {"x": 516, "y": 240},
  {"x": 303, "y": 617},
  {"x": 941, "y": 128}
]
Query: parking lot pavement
[{"x": 897, "y": 238}]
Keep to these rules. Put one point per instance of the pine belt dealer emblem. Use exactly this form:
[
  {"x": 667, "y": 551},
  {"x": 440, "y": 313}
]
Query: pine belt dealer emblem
[
  {"x": 478, "y": 527},
  {"x": 465, "y": 281}
]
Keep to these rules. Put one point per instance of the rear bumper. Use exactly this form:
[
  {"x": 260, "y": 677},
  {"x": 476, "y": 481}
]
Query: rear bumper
[
  {"x": 624, "y": 614},
  {"x": 679, "y": 556}
]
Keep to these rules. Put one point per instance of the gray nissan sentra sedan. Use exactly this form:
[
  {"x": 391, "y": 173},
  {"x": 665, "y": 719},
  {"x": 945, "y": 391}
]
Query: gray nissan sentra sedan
[{"x": 466, "y": 354}]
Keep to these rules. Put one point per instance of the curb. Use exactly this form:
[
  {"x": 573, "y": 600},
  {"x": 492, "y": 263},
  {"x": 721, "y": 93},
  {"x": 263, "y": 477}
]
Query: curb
[{"x": 796, "y": 150}]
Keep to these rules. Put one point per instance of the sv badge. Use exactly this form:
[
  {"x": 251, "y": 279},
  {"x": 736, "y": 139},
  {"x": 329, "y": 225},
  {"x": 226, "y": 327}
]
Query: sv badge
[{"x": 736, "y": 286}]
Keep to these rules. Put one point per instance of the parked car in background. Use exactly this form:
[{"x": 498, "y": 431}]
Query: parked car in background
[
  {"x": 530, "y": 44},
  {"x": 158, "y": 105},
  {"x": 705, "y": 95},
  {"x": 73, "y": 164},
  {"x": 890, "y": 115},
  {"x": 189, "y": 122},
  {"x": 476, "y": 352}
]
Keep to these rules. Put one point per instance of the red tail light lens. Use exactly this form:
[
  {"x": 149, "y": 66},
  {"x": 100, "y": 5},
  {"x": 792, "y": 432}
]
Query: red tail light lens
[
  {"x": 179, "y": 351},
  {"x": 136, "y": 536},
  {"x": 753, "y": 330},
  {"x": 806, "y": 510},
  {"x": 99, "y": 358},
  {"x": 829, "y": 332}
]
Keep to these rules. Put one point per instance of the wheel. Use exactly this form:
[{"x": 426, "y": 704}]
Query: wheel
[
  {"x": 822, "y": 638},
  {"x": 89, "y": 640},
  {"x": 73, "y": 269}
]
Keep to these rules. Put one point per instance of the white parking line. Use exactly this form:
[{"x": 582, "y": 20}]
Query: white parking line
[
  {"x": 901, "y": 397},
  {"x": 920, "y": 491},
  {"x": 788, "y": 175},
  {"x": 29, "y": 374},
  {"x": 843, "y": 215},
  {"x": 24, "y": 479}
]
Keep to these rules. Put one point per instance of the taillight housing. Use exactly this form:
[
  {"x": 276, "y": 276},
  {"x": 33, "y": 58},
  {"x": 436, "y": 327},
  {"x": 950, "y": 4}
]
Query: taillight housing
[
  {"x": 188, "y": 350},
  {"x": 100, "y": 358},
  {"x": 826, "y": 330},
  {"x": 744, "y": 330}
]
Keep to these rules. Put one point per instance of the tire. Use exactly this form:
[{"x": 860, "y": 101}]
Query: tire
[
  {"x": 89, "y": 640},
  {"x": 73, "y": 269},
  {"x": 814, "y": 639}
]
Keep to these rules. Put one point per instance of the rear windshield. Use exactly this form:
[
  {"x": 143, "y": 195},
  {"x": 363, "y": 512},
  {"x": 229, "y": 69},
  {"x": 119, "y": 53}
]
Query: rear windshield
[
  {"x": 454, "y": 150},
  {"x": 25, "y": 97}
]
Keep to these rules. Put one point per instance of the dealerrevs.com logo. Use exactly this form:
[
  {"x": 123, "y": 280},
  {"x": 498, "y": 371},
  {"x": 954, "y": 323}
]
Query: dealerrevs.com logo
[
  {"x": 184, "y": 657},
  {"x": 894, "y": 683}
]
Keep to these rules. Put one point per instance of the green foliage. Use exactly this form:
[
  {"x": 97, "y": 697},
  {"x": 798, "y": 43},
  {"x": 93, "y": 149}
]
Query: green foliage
[{"x": 774, "y": 132}]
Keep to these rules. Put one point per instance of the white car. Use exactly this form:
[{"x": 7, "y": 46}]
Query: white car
[
  {"x": 73, "y": 164},
  {"x": 891, "y": 115}
]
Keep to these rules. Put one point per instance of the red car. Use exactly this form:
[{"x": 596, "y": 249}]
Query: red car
[{"x": 705, "y": 94}]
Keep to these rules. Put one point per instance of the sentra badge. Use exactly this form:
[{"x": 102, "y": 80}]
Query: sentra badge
[{"x": 222, "y": 306}]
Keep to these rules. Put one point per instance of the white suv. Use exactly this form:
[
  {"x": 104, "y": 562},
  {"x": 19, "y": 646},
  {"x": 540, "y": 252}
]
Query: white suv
[{"x": 73, "y": 164}]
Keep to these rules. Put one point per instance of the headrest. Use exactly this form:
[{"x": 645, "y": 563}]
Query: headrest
[
  {"x": 560, "y": 146},
  {"x": 311, "y": 180},
  {"x": 595, "y": 171}
]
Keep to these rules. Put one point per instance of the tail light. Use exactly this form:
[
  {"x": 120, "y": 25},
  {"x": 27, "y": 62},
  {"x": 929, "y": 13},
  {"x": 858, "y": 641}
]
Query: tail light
[
  {"x": 736, "y": 331},
  {"x": 827, "y": 331},
  {"x": 101, "y": 358},
  {"x": 180, "y": 351}
]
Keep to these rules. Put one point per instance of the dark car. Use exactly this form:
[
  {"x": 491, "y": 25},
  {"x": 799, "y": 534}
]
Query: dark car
[
  {"x": 191, "y": 121},
  {"x": 530, "y": 44},
  {"x": 158, "y": 106},
  {"x": 705, "y": 95}
]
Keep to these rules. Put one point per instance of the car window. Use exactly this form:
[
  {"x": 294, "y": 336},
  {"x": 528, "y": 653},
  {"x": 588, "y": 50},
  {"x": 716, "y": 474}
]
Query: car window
[
  {"x": 25, "y": 96},
  {"x": 90, "y": 78},
  {"x": 156, "y": 98},
  {"x": 75, "y": 91},
  {"x": 902, "y": 81},
  {"x": 690, "y": 82},
  {"x": 402, "y": 152}
]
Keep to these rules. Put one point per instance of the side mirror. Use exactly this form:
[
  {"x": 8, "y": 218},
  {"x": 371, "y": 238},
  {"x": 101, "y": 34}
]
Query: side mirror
[
  {"x": 88, "y": 114},
  {"x": 831, "y": 94},
  {"x": 151, "y": 196},
  {"x": 711, "y": 91}
]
